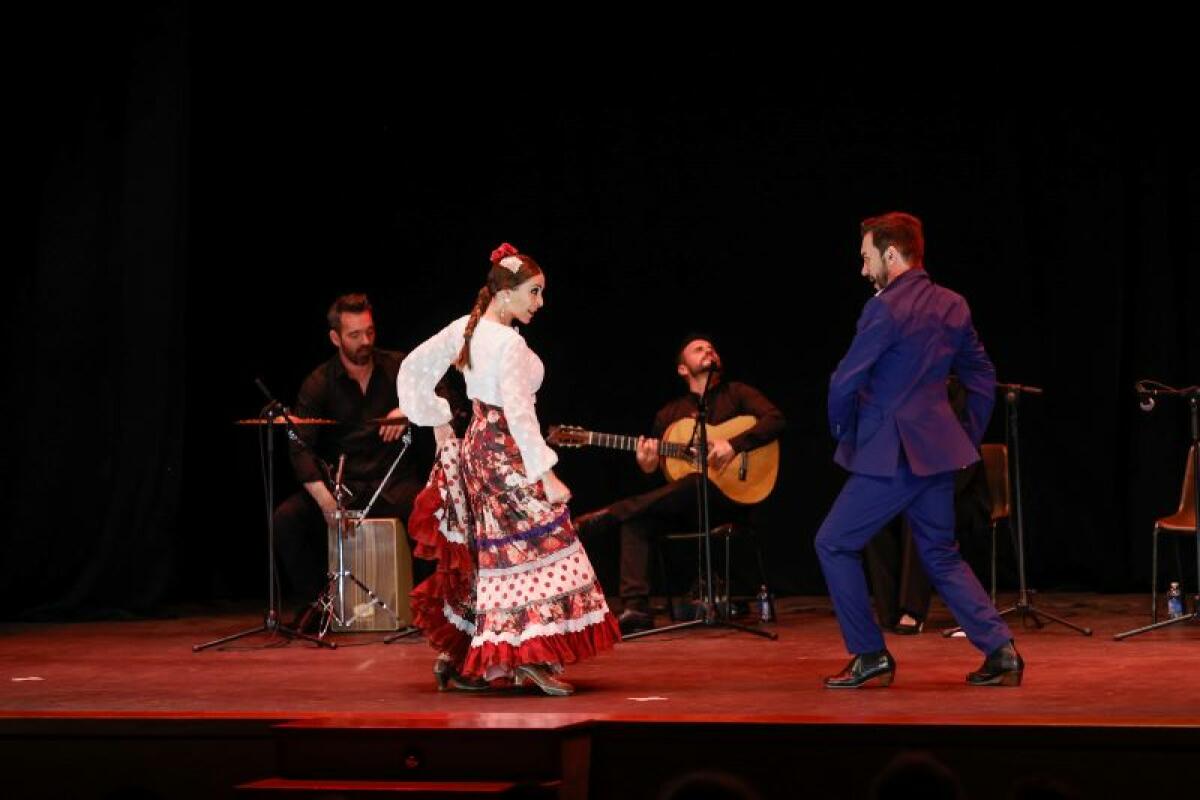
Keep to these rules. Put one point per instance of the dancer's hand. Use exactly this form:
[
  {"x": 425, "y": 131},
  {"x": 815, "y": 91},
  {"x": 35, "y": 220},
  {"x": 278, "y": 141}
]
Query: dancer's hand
[{"x": 556, "y": 491}]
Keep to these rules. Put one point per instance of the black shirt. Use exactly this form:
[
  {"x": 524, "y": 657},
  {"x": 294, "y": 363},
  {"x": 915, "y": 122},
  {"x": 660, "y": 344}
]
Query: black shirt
[
  {"x": 330, "y": 392},
  {"x": 726, "y": 401}
]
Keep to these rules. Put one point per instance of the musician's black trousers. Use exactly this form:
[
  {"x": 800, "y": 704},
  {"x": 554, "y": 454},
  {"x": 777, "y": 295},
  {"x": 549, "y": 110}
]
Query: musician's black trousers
[
  {"x": 898, "y": 581},
  {"x": 668, "y": 509}
]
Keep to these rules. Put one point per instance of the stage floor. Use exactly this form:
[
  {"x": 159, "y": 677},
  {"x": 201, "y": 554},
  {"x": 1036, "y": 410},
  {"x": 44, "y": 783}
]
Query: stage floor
[
  {"x": 114, "y": 709},
  {"x": 148, "y": 668}
]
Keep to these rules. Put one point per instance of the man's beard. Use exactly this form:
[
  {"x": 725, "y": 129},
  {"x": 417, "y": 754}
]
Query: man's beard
[
  {"x": 361, "y": 356},
  {"x": 881, "y": 282}
]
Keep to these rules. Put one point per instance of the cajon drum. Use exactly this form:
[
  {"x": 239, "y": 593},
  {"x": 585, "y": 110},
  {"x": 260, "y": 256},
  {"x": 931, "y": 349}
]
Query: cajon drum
[{"x": 377, "y": 553}]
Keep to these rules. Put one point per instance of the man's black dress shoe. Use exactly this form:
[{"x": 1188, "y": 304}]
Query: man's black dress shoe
[
  {"x": 1003, "y": 667},
  {"x": 632, "y": 621},
  {"x": 594, "y": 522},
  {"x": 862, "y": 669}
]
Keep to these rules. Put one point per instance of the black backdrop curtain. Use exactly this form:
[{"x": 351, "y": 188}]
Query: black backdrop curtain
[
  {"x": 96, "y": 325},
  {"x": 299, "y": 168}
]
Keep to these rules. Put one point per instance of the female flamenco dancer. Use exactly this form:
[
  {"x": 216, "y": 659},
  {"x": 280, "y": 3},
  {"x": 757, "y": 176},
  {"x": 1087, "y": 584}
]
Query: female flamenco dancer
[{"x": 514, "y": 597}]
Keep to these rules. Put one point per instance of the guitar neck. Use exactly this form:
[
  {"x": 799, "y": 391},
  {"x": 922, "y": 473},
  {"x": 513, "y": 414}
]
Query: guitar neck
[{"x": 616, "y": 441}]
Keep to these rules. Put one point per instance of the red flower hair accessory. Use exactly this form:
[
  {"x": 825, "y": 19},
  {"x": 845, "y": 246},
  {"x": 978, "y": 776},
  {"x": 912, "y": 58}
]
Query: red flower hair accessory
[
  {"x": 503, "y": 251},
  {"x": 506, "y": 256}
]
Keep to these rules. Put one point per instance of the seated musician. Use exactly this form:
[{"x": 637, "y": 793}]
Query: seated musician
[
  {"x": 672, "y": 506},
  {"x": 355, "y": 388}
]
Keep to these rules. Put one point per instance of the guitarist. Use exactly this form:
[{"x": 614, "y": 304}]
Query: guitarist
[{"x": 672, "y": 506}]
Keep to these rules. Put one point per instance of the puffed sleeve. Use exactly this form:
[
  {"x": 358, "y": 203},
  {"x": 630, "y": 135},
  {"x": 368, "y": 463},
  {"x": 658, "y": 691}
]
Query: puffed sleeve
[
  {"x": 420, "y": 372},
  {"x": 517, "y": 363}
]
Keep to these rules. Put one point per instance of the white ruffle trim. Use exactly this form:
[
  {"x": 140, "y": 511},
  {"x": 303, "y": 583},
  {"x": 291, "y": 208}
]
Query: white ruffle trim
[
  {"x": 454, "y": 537},
  {"x": 457, "y": 621},
  {"x": 534, "y": 631}
]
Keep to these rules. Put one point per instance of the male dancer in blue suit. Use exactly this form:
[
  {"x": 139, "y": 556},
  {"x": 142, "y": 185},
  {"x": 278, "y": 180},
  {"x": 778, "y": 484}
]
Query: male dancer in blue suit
[{"x": 902, "y": 444}]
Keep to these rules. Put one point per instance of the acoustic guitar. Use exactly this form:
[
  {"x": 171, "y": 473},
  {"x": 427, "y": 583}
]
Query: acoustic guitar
[{"x": 749, "y": 478}]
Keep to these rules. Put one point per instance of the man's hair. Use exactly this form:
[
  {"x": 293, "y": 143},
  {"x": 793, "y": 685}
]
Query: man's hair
[
  {"x": 899, "y": 230},
  {"x": 347, "y": 303},
  {"x": 687, "y": 339}
]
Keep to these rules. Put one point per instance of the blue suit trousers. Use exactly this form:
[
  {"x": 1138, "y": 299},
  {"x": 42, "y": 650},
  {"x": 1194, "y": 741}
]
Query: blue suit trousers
[{"x": 865, "y": 505}]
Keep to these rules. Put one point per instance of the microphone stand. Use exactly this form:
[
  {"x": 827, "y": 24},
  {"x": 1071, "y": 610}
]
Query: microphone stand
[
  {"x": 1012, "y": 439},
  {"x": 710, "y": 618},
  {"x": 271, "y": 624},
  {"x": 1192, "y": 393},
  {"x": 1023, "y": 606}
]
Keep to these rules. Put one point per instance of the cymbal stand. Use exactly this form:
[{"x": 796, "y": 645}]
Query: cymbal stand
[{"x": 332, "y": 600}]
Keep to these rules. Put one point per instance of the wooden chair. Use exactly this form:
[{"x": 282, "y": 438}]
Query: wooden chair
[{"x": 1182, "y": 522}]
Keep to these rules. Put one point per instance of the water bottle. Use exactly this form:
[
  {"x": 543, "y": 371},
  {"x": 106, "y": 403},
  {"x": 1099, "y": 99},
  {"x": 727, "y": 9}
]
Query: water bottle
[
  {"x": 764, "y": 606},
  {"x": 1174, "y": 601}
]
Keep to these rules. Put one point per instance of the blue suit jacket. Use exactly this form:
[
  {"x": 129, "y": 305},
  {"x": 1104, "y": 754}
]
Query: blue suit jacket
[{"x": 889, "y": 391}]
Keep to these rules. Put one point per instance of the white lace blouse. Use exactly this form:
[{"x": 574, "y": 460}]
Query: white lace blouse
[{"x": 504, "y": 372}]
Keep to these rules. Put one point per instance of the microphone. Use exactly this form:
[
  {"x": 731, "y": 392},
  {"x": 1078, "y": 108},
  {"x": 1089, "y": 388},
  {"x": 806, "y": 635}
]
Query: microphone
[
  {"x": 713, "y": 365},
  {"x": 272, "y": 403},
  {"x": 1147, "y": 391},
  {"x": 341, "y": 468}
]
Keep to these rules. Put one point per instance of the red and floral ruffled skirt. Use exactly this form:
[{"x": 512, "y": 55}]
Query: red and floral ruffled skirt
[{"x": 513, "y": 584}]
